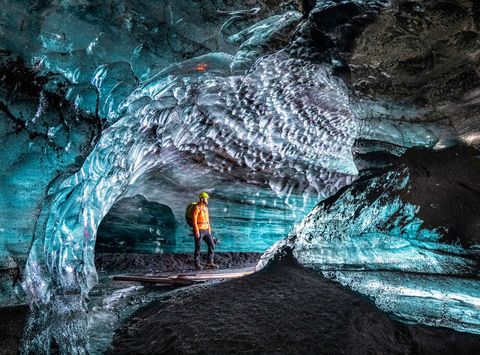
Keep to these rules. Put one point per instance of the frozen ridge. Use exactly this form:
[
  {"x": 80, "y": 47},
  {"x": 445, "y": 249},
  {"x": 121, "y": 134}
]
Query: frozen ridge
[
  {"x": 286, "y": 126},
  {"x": 369, "y": 239}
]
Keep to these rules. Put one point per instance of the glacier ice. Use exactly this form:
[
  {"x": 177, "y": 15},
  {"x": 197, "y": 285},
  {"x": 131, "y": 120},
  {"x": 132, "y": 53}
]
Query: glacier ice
[
  {"x": 256, "y": 128},
  {"x": 373, "y": 238},
  {"x": 134, "y": 145},
  {"x": 258, "y": 111},
  {"x": 44, "y": 139},
  {"x": 136, "y": 225},
  {"x": 153, "y": 36},
  {"x": 94, "y": 75},
  {"x": 262, "y": 38}
]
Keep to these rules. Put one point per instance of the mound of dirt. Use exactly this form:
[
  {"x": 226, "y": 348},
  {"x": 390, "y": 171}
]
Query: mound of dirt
[{"x": 283, "y": 309}]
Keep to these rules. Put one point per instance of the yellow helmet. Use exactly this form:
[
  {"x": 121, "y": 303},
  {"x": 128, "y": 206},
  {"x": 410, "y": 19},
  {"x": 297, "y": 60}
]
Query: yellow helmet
[{"x": 203, "y": 195}]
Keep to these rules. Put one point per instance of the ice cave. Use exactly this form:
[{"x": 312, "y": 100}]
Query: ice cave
[{"x": 338, "y": 142}]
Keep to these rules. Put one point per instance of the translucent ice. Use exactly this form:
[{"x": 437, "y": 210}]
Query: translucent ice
[
  {"x": 285, "y": 128},
  {"x": 267, "y": 130}
]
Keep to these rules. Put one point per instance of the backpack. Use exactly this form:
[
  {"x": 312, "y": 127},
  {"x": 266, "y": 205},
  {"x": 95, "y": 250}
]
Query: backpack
[{"x": 189, "y": 213}]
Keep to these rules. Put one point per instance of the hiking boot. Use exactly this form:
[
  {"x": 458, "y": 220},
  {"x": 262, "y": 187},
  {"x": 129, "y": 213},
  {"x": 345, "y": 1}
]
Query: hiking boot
[
  {"x": 198, "y": 267},
  {"x": 211, "y": 265}
]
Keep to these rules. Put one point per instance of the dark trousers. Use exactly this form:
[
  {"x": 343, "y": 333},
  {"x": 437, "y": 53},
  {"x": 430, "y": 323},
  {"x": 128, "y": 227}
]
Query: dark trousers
[{"x": 207, "y": 237}]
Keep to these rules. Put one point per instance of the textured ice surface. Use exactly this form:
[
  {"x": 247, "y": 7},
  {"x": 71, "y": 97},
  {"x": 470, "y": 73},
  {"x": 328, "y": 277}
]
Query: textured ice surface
[
  {"x": 119, "y": 44},
  {"x": 285, "y": 128},
  {"x": 245, "y": 126},
  {"x": 261, "y": 38},
  {"x": 399, "y": 125},
  {"x": 267, "y": 131},
  {"x": 368, "y": 238},
  {"x": 44, "y": 138}
]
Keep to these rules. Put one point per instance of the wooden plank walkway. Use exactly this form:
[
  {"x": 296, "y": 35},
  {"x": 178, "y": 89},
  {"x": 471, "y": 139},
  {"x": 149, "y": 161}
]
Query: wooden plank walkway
[{"x": 189, "y": 278}]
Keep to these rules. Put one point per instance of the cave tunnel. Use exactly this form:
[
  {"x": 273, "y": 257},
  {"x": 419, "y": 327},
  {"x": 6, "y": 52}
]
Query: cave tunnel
[{"x": 338, "y": 141}]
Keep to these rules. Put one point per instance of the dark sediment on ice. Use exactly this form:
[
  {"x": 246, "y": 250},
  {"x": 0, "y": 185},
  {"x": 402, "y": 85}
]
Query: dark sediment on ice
[
  {"x": 12, "y": 321},
  {"x": 446, "y": 187},
  {"x": 13, "y": 318},
  {"x": 282, "y": 309},
  {"x": 129, "y": 262}
]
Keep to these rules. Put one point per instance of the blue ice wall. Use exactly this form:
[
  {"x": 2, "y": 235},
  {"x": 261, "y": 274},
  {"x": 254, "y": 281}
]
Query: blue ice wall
[
  {"x": 103, "y": 51},
  {"x": 44, "y": 139},
  {"x": 68, "y": 84}
]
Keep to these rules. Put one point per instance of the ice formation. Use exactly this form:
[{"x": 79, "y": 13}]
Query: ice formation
[
  {"x": 255, "y": 109},
  {"x": 190, "y": 119},
  {"x": 136, "y": 225},
  {"x": 377, "y": 237},
  {"x": 284, "y": 126}
]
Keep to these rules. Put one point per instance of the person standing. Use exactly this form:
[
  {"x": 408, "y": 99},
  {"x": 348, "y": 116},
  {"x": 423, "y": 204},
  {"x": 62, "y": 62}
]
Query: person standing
[{"x": 202, "y": 230}]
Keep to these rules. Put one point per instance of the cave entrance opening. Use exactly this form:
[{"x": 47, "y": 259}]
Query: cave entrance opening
[{"x": 244, "y": 217}]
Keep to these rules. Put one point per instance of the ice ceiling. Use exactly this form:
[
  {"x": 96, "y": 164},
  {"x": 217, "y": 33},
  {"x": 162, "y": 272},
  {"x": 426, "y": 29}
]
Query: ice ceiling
[{"x": 267, "y": 108}]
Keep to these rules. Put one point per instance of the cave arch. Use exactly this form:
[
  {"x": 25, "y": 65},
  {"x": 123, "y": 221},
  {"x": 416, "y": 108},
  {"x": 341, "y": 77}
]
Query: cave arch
[
  {"x": 295, "y": 157},
  {"x": 136, "y": 224}
]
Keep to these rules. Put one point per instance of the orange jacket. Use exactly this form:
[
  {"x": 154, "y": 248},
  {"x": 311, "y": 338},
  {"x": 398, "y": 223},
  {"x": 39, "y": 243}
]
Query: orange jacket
[{"x": 201, "y": 220}]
